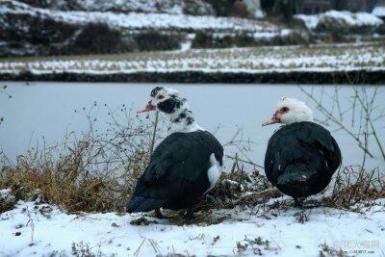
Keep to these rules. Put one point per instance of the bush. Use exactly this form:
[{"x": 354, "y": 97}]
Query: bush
[
  {"x": 97, "y": 38},
  {"x": 203, "y": 40}
]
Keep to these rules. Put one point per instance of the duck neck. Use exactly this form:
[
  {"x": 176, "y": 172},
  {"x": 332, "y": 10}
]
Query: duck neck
[{"x": 183, "y": 121}]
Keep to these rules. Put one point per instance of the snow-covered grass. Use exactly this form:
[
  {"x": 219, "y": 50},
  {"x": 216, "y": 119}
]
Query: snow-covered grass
[
  {"x": 311, "y": 21},
  {"x": 344, "y": 57},
  {"x": 271, "y": 229},
  {"x": 136, "y": 21},
  {"x": 379, "y": 11},
  {"x": 174, "y": 7},
  {"x": 345, "y": 18}
]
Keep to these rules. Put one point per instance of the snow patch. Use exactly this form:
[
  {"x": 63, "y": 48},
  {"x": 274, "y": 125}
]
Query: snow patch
[
  {"x": 347, "y": 18},
  {"x": 39, "y": 230},
  {"x": 311, "y": 21},
  {"x": 5, "y": 193},
  {"x": 379, "y": 11}
]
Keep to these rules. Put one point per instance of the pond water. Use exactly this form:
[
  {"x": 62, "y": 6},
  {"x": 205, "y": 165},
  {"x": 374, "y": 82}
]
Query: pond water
[{"x": 41, "y": 111}]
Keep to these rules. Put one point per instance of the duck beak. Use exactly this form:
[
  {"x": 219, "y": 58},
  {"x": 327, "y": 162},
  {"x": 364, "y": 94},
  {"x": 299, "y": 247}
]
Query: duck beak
[
  {"x": 273, "y": 120},
  {"x": 149, "y": 107}
]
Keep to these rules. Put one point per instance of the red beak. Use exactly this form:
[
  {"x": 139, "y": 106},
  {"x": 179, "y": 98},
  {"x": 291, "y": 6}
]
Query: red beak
[
  {"x": 273, "y": 120},
  {"x": 149, "y": 107}
]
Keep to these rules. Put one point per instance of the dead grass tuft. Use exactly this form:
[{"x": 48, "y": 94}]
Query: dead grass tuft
[
  {"x": 327, "y": 251},
  {"x": 95, "y": 173},
  {"x": 352, "y": 187},
  {"x": 240, "y": 188},
  {"x": 84, "y": 250}
]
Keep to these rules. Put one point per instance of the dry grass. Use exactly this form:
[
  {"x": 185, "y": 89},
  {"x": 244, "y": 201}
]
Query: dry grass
[
  {"x": 239, "y": 188},
  {"x": 327, "y": 251},
  {"x": 352, "y": 187},
  {"x": 72, "y": 181},
  {"x": 327, "y": 56},
  {"x": 94, "y": 173}
]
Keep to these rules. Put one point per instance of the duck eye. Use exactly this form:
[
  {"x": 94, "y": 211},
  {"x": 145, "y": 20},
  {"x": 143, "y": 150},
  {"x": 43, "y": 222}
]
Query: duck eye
[
  {"x": 160, "y": 97},
  {"x": 284, "y": 109}
]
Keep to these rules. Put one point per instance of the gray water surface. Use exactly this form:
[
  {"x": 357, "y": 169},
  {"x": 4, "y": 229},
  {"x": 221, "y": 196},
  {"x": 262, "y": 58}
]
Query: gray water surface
[{"x": 45, "y": 112}]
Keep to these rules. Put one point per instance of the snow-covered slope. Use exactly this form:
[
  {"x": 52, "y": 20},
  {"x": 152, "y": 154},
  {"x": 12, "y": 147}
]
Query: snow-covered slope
[
  {"x": 196, "y": 7},
  {"x": 140, "y": 20},
  {"x": 379, "y": 11},
  {"x": 27, "y": 30},
  {"x": 43, "y": 230},
  {"x": 340, "y": 18}
]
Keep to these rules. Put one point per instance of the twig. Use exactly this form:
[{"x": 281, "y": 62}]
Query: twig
[
  {"x": 30, "y": 221},
  {"x": 236, "y": 158},
  {"x": 136, "y": 253},
  {"x": 331, "y": 117},
  {"x": 154, "y": 132}
]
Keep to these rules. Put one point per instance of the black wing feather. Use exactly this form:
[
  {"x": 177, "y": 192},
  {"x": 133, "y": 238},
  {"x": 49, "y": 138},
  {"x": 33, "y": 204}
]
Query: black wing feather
[
  {"x": 301, "y": 158},
  {"x": 177, "y": 174}
]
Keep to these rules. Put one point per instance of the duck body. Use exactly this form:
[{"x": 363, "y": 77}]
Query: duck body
[
  {"x": 301, "y": 158},
  {"x": 183, "y": 167}
]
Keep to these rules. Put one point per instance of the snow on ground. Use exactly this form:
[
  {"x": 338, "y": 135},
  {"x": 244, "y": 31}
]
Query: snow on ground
[
  {"x": 344, "y": 57},
  {"x": 347, "y": 18},
  {"x": 41, "y": 230},
  {"x": 311, "y": 21},
  {"x": 379, "y": 11},
  {"x": 142, "y": 20}
]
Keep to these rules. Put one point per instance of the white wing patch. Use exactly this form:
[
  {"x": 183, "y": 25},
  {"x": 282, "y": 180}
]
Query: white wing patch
[{"x": 214, "y": 172}]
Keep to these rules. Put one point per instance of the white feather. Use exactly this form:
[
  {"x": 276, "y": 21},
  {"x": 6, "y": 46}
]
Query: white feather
[
  {"x": 298, "y": 111},
  {"x": 214, "y": 172}
]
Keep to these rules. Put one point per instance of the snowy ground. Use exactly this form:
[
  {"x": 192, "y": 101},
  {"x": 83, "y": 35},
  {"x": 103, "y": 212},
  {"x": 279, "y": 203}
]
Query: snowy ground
[
  {"x": 343, "y": 57},
  {"x": 43, "y": 230}
]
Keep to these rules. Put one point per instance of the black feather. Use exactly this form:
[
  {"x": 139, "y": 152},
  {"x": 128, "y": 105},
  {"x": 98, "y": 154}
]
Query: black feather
[
  {"x": 301, "y": 159},
  {"x": 170, "y": 105},
  {"x": 155, "y": 91},
  {"x": 176, "y": 177}
]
